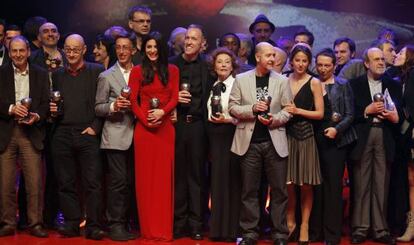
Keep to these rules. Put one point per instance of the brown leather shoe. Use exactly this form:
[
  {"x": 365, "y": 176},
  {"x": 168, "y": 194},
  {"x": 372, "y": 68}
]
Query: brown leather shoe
[
  {"x": 38, "y": 231},
  {"x": 7, "y": 231}
]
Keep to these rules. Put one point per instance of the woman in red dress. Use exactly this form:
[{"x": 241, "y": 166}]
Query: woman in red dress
[{"x": 154, "y": 81}]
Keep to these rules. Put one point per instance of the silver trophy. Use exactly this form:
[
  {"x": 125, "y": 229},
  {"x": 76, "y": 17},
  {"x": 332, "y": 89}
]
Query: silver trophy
[
  {"x": 378, "y": 97},
  {"x": 216, "y": 108},
  {"x": 154, "y": 103},
  {"x": 267, "y": 99},
  {"x": 336, "y": 117},
  {"x": 57, "y": 98},
  {"x": 185, "y": 86},
  {"x": 126, "y": 92},
  {"x": 26, "y": 102}
]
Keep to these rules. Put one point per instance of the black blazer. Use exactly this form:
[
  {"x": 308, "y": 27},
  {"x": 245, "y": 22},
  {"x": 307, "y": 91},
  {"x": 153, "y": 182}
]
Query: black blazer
[
  {"x": 342, "y": 101},
  {"x": 39, "y": 92},
  {"x": 6, "y": 58},
  {"x": 362, "y": 98},
  {"x": 38, "y": 58}
]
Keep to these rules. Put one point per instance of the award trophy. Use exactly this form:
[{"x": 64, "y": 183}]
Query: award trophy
[
  {"x": 154, "y": 103},
  {"x": 126, "y": 92},
  {"x": 267, "y": 99},
  {"x": 185, "y": 86},
  {"x": 56, "y": 98},
  {"x": 216, "y": 108},
  {"x": 378, "y": 97},
  {"x": 26, "y": 102},
  {"x": 336, "y": 117}
]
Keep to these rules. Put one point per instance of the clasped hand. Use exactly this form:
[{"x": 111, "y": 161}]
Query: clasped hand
[{"x": 154, "y": 117}]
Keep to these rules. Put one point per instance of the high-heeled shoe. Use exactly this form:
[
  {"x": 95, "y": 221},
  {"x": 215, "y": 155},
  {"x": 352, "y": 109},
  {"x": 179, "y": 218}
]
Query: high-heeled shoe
[{"x": 303, "y": 242}]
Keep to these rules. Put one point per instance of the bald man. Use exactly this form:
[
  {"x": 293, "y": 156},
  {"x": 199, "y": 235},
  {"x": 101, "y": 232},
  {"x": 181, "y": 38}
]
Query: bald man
[
  {"x": 49, "y": 56},
  {"x": 280, "y": 60},
  {"x": 375, "y": 124},
  {"x": 260, "y": 140},
  {"x": 75, "y": 142}
]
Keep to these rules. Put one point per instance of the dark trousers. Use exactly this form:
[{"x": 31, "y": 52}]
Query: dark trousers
[
  {"x": 371, "y": 181},
  {"x": 20, "y": 148},
  {"x": 72, "y": 150},
  {"x": 225, "y": 182},
  {"x": 51, "y": 206},
  {"x": 118, "y": 186},
  {"x": 190, "y": 172},
  {"x": 328, "y": 207},
  {"x": 257, "y": 157}
]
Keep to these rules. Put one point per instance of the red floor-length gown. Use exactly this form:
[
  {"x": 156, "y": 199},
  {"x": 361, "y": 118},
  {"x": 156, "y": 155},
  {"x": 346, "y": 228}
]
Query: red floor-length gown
[{"x": 154, "y": 155}]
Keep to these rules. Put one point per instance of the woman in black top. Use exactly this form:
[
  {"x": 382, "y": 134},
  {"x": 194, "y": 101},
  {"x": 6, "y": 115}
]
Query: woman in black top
[{"x": 405, "y": 60}]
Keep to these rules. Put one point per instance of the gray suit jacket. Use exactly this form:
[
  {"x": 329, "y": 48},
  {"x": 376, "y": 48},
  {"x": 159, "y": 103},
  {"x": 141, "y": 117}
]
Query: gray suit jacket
[
  {"x": 118, "y": 128},
  {"x": 242, "y": 98}
]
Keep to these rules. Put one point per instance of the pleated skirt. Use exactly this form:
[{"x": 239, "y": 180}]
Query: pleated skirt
[{"x": 303, "y": 162}]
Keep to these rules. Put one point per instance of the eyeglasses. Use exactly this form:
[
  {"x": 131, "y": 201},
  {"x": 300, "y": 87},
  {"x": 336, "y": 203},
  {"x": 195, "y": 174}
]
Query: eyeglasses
[
  {"x": 141, "y": 21},
  {"x": 74, "y": 50}
]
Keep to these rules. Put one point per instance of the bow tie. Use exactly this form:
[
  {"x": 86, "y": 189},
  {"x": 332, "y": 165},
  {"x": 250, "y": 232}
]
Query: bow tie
[{"x": 219, "y": 88}]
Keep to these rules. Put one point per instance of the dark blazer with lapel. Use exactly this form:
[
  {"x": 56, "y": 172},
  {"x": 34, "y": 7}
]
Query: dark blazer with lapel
[
  {"x": 342, "y": 101},
  {"x": 38, "y": 57},
  {"x": 39, "y": 92},
  {"x": 6, "y": 58},
  {"x": 362, "y": 98}
]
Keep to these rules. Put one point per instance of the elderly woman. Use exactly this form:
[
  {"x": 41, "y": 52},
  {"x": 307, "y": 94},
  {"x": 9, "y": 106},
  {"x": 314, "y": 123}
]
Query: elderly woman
[
  {"x": 405, "y": 61},
  {"x": 225, "y": 172}
]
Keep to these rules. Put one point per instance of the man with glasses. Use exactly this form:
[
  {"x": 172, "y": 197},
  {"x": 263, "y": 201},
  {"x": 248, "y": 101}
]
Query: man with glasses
[
  {"x": 139, "y": 21},
  {"x": 75, "y": 142},
  {"x": 261, "y": 29}
]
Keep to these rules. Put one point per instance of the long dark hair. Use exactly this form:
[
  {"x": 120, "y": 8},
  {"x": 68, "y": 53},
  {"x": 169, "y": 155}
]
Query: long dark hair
[
  {"x": 161, "y": 65},
  {"x": 408, "y": 64}
]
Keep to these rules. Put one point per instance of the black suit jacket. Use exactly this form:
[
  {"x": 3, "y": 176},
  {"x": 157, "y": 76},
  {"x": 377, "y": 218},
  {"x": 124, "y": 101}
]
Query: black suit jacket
[
  {"x": 342, "y": 101},
  {"x": 362, "y": 95},
  {"x": 6, "y": 58},
  {"x": 39, "y": 92},
  {"x": 38, "y": 57}
]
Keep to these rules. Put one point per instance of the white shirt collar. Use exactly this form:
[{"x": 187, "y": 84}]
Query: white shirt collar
[{"x": 17, "y": 71}]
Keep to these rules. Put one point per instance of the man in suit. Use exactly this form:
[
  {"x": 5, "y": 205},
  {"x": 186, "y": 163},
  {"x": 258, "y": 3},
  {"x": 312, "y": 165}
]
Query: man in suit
[
  {"x": 260, "y": 139},
  {"x": 20, "y": 137},
  {"x": 376, "y": 125},
  {"x": 190, "y": 148},
  {"x": 117, "y": 135}
]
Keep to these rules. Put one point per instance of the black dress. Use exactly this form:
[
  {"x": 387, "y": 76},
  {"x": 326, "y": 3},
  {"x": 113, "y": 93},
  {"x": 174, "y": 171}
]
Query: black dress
[
  {"x": 225, "y": 180},
  {"x": 303, "y": 160}
]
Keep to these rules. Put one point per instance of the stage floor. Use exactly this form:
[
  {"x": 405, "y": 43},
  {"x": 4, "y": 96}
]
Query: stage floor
[{"x": 23, "y": 238}]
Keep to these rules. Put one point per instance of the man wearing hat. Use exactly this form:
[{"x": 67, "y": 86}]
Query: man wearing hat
[{"x": 261, "y": 29}]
